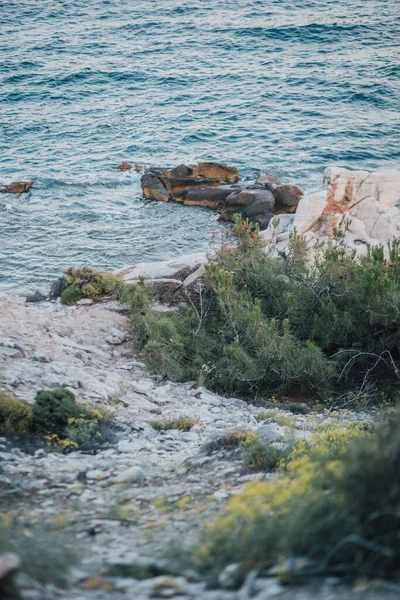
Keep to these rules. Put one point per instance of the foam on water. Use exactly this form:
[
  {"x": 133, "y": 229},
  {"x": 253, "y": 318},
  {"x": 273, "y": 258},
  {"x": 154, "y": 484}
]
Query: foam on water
[{"x": 285, "y": 86}]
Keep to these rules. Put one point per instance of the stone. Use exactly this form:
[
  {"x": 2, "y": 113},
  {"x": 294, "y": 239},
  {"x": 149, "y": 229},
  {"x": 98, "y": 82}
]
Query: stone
[
  {"x": 364, "y": 205},
  {"x": 267, "y": 180},
  {"x": 84, "y": 302},
  {"x": 208, "y": 197},
  {"x": 131, "y": 475},
  {"x": 177, "y": 186},
  {"x": 6, "y": 352},
  {"x": 153, "y": 188},
  {"x": 179, "y": 171},
  {"x": 218, "y": 171},
  {"x": 36, "y": 296},
  {"x": 17, "y": 187},
  {"x": 163, "y": 269},
  {"x": 57, "y": 288},
  {"x": 270, "y": 432},
  {"x": 287, "y": 197},
  {"x": 231, "y": 577},
  {"x": 9, "y": 565},
  {"x": 124, "y": 166}
]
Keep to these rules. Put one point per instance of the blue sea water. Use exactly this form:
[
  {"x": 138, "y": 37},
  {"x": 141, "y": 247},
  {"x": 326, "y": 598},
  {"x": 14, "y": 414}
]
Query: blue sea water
[{"x": 283, "y": 86}]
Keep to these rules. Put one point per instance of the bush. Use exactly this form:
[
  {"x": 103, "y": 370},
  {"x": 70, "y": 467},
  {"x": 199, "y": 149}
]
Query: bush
[
  {"x": 46, "y": 554},
  {"x": 84, "y": 282},
  {"x": 262, "y": 324},
  {"x": 56, "y": 420},
  {"x": 53, "y": 409},
  {"x": 334, "y": 502},
  {"x": 15, "y": 416}
]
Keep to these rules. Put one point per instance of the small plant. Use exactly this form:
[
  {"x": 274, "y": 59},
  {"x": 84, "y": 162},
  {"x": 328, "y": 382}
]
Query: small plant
[
  {"x": 46, "y": 554},
  {"x": 84, "y": 282},
  {"x": 259, "y": 456},
  {"x": 333, "y": 501},
  {"x": 53, "y": 409},
  {"x": 15, "y": 416},
  {"x": 181, "y": 423}
]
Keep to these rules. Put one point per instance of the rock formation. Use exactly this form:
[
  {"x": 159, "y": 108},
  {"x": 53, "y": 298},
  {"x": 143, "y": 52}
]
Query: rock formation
[
  {"x": 364, "y": 206},
  {"x": 17, "y": 187},
  {"x": 215, "y": 186}
]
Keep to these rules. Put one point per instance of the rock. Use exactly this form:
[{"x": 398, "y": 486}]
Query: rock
[
  {"x": 131, "y": 475},
  {"x": 287, "y": 198},
  {"x": 209, "y": 197},
  {"x": 231, "y": 577},
  {"x": 140, "y": 567},
  {"x": 267, "y": 180},
  {"x": 17, "y": 187},
  {"x": 217, "y": 171},
  {"x": 124, "y": 166},
  {"x": 57, "y": 288},
  {"x": 167, "y": 268},
  {"x": 198, "y": 274},
  {"x": 179, "y": 171},
  {"x": 138, "y": 168},
  {"x": 9, "y": 565},
  {"x": 35, "y": 297},
  {"x": 177, "y": 186},
  {"x": 6, "y": 352},
  {"x": 84, "y": 302},
  {"x": 271, "y": 432},
  {"x": 153, "y": 188},
  {"x": 365, "y": 206}
]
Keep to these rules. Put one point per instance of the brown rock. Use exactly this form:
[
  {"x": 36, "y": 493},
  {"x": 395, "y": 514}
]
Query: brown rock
[
  {"x": 124, "y": 166},
  {"x": 213, "y": 170},
  {"x": 176, "y": 186},
  {"x": 287, "y": 198},
  {"x": 267, "y": 180},
  {"x": 17, "y": 187},
  {"x": 153, "y": 188},
  {"x": 138, "y": 168},
  {"x": 249, "y": 197},
  {"x": 179, "y": 172},
  {"x": 211, "y": 197}
]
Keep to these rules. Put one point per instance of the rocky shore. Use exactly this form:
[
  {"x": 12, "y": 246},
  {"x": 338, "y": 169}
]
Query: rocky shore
[{"x": 125, "y": 504}]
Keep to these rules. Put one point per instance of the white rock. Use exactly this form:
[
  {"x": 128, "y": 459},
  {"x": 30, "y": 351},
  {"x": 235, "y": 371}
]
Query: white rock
[{"x": 131, "y": 475}]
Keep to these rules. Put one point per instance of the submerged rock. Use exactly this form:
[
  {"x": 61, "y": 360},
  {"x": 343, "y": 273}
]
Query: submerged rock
[
  {"x": 124, "y": 166},
  {"x": 17, "y": 187}
]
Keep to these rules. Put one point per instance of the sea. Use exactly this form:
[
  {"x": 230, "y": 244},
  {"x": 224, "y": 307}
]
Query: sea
[{"x": 283, "y": 87}]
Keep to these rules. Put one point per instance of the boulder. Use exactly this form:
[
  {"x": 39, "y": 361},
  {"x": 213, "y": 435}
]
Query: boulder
[
  {"x": 213, "y": 170},
  {"x": 365, "y": 206},
  {"x": 153, "y": 188},
  {"x": 267, "y": 180},
  {"x": 177, "y": 186},
  {"x": 287, "y": 198},
  {"x": 210, "y": 197},
  {"x": 248, "y": 198},
  {"x": 179, "y": 172},
  {"x": 17, "y": 187}
]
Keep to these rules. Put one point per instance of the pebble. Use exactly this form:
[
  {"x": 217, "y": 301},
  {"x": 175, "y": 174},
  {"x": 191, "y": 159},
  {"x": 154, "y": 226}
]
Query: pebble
[{"x": 131, "y": 475}]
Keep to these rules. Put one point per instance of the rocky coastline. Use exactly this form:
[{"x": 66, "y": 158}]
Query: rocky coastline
[{"x": 124, "y": 504}]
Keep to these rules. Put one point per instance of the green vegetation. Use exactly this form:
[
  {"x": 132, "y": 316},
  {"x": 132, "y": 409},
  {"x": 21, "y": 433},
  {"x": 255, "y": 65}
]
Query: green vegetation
[
  {"x": 182, "y": 423},
  {"x": 333, "y": 502},
  {"x": 263, "y": 325},
  {"x": 15, "y": 416},
  {"x": 85, "y": 282},
  {"x": 55, "y": 420},
  {"x": 46, "y": 553}
]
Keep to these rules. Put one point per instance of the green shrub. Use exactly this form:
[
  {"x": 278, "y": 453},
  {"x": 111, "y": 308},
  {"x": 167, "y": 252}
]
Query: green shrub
[
  {"x": 182, "y": 423},
  {"x": 53, "y": 409},
  {"x": 84, "y": 282},
  {"x": 262, "y": 324},
  {"x": 15, "y": 416},
  {"x": 260, "y": 456},
  {"x": 335, "y": 501},
  {"x": 46, "y": 554}
]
